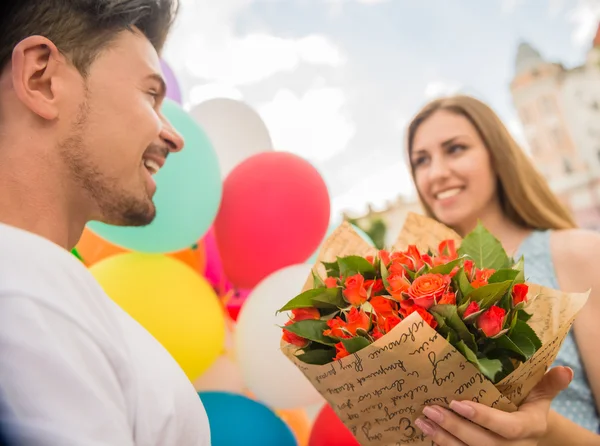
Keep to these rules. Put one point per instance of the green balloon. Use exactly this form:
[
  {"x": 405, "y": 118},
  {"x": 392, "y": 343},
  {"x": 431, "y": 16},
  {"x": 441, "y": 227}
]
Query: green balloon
[{"x": 189, "y": 191}]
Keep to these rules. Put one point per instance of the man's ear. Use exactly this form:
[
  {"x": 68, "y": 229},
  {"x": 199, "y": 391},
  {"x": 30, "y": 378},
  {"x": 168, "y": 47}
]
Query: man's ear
[{"x": 35, "y": 64}]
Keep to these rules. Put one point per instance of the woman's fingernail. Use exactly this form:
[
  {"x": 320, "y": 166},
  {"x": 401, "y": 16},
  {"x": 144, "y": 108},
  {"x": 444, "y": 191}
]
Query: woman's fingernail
[
  {"x": 434, "y": 414},
  {"x": 427, "y": 427},
  {"x": 462, "y": 409}
]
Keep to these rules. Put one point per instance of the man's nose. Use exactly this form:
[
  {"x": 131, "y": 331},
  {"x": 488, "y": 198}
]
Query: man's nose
[{"x": 171, "y": 136}]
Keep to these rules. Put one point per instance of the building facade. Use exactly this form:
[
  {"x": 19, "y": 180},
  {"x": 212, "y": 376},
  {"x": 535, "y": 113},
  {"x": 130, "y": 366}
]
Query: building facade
[{"x": 559, "y": 110}]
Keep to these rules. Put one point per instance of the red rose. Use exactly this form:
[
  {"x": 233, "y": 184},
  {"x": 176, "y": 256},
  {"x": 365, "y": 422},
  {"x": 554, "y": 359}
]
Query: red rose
[
  {"x": 390, "y": 322},
  {"x": 427, "y": 289},
  {"x": 376, "y": 333},
  {"x": 293, "y": 338},
  {"x": 448, "y": 299},
  {"x": 473, "y": 307},
  {"x": 431, "y": 262},
  {"x": 491, "y": 321},
  {"x": 469, "y": 264},
  {"x": 377, "y": 286},
  {"x": 397, "y": 285},
  {"x": 301, "y": 314},
  {"x": 385, "y": 257},
  {"x": 356, "y": 319},
  {"x": 519, "y": 293},
  {"x": 415, "y": 255},
  {"x": 370, "y": 259},
  {"x": 382, "y": 306},
  {"x": 331, "y": 282},
  {"x": 447, "y": 248},
  {"x": 341, "y": 351},
  {"x": 481, "y": 277},
  {"x": 336, "y": 328},
  {"x": 354, "y": 291},
  {"x": 425, "y": 315}
]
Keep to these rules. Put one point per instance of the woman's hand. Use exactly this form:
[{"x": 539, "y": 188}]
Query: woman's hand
[{"x": 473, "y": 424}]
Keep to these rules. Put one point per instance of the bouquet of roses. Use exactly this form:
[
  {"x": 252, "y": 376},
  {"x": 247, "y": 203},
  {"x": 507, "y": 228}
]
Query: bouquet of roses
[{"x": 383, "y": 333}]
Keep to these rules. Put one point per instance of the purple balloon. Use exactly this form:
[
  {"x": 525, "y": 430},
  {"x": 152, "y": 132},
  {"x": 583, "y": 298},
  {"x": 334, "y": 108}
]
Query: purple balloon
[{"x": 173, "y": 89}]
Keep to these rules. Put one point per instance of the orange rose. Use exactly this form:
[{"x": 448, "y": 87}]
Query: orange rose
[
  {"x": 413, "y": 253},
  {"x": 427, "y": 289},
  {"x": 425, "y": 315},
  {"x": 301, "y": 314},
  {"x": 376, "y": 286},
  {"x": 469, "y": 264},
  {"x": 481, "y": 277},
  {"x": 399, "y": 261},
  {"x": 336, "y": 328},
  {"x": 293, "y": 338},
  {"x": 448, "y": 299},
  {"x": 397, "y": 285},
  {"x": 447, "y": 248},
  {"x": 382, "y": 306},
  {"x": 519, "y": 293},
  {"x": 354, "y": 290},
  {"x": 390, "y": 322},
  {"x": 384, "y": 256},
  {"x": 341, "y": 351},
  {"x": 331, "y": 282},
  {"x": 376, "y": 333},
  {"x": 356, "y": 319}
]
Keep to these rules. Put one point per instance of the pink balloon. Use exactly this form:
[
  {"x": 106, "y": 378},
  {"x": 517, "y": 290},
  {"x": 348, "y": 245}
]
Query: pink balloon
[
  {"x": 214, "y": 266},
  {"x": 274, "y": 213}
]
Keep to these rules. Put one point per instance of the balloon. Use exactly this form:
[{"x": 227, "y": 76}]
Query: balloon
[
  {"x": 224, "y": 374},
  {"x": 187, "y": 198},
  {"x": 173, "y": 89},
  {"x": 214, "y": 266},
  {"x": 267, "y": 372},
  {"x": 329, "y": 430},
  {"x": 235, "y": 303},
  {"x": 235, "y": 129},
  {"x": 274, "y": 213},
  {"x": 238, "y": 420},
  {"x": 173, "y": 302},
  {"x": 333, "y": 227},
  {"x": 299, "y": 423},
  {"x": 92, "y": 248}
]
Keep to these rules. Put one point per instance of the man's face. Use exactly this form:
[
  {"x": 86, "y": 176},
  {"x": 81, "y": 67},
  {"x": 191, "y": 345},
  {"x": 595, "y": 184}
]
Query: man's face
[{"x": 117, "y": 138}]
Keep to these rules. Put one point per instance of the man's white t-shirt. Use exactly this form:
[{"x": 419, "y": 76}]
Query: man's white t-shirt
[{"x": 75, "y": 369}]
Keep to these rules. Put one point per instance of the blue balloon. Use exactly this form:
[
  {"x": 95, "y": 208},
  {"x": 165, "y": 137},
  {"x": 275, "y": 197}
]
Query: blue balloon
[
  {"x": 330, "y": 230},
  {"x": 188, "y": 194},
  {"x": 237, "y": 420}
]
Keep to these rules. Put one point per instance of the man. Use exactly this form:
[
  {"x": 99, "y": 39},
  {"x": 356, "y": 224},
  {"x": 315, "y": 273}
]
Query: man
[{"x": 81, "y": 134}]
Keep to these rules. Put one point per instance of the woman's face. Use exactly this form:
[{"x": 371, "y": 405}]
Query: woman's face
[{"x": 453, "y": 170}]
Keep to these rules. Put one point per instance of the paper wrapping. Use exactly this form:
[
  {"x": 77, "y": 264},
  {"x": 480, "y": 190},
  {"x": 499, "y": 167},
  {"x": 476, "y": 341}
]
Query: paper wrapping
[{"x": 379, "y": 391}]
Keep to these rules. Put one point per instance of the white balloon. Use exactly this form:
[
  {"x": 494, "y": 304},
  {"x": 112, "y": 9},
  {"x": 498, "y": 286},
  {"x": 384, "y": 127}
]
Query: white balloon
[
  {"x": 267, "y": 372},
  {"x": 235, "y": 130}
]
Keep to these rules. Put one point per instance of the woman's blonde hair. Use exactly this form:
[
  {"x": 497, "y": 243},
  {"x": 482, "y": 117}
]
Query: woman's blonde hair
[{"x": 524, "y": 194}]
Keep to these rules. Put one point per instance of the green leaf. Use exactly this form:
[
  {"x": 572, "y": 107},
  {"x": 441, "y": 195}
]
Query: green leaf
[
  {"x": 522, "y": 315},
  {"x": 463, "y": 283},
  {"x": 522, "y": 329},
  {"x": 488, "y": 295},
  {"x": 317, "y": 356},
  {"x": 446, "y": 268},
  {"x": 384, "y": 275},
  {"x": 333, "y": 269},
  {"x": 312, "y": 330},
  {"x": 488, "y": 367},
  {"x": 318, "y": 297},
  {"x": 520, "y": 266},
  {"x": 524, "y": 343},
  {"x": 453, "y": 320},
  {"x": 485, "y": 250},
  {"x": 503, "y": 275},
  {"x": 410, "y": 273},
  {"x": 355, "y": 344},
  {"x": 330, "y": 298},
  {"x": 355, "y": 265},
  {"x": 506, "y": 343},
  {"x": 317, "y": 281}
]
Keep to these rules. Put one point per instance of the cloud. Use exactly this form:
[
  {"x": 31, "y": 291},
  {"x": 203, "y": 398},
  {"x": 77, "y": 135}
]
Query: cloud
[
  {"x": 584, "y": 17},
  {"x": 205, "y": 44},
  {"x": 204, "y": 92},
  {"x": 510, "y": 6},
  {"x": 314, "y": 125},
  {"x": 441, "y": 88}
]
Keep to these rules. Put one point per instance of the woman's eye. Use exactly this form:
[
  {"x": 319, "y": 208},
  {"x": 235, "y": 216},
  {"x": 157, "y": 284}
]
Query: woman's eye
[
  {"x": 419, "y": 161},
  {"x": 456, "y": 148}
]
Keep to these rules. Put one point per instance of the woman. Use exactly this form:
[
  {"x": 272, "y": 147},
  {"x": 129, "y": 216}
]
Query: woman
[{"x": 467, "y": 167}]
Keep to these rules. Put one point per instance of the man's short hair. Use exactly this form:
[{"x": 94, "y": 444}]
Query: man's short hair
[{"x": 81, "y": 29}]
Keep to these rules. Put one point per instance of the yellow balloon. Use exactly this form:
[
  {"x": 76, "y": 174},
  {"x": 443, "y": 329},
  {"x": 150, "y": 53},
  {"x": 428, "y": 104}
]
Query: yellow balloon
[{"x": 172, "y": 301}]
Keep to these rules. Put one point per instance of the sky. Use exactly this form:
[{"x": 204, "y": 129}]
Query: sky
[{"x": 337, "y": 81}]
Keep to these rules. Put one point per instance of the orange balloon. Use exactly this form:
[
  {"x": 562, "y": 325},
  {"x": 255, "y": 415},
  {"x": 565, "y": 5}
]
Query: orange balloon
[
  {"x": 299, "y": 423},
  {"x": 92, "y": 248}
]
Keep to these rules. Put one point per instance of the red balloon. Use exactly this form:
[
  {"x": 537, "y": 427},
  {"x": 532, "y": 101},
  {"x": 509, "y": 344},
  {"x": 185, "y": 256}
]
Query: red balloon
[
  {"x": 328, "y": 430},
  {"x": 274, "y": 213}
]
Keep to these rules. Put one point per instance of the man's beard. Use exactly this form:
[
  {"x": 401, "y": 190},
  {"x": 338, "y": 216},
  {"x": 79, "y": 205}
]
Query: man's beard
[{"x": 116, "y": 208}]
